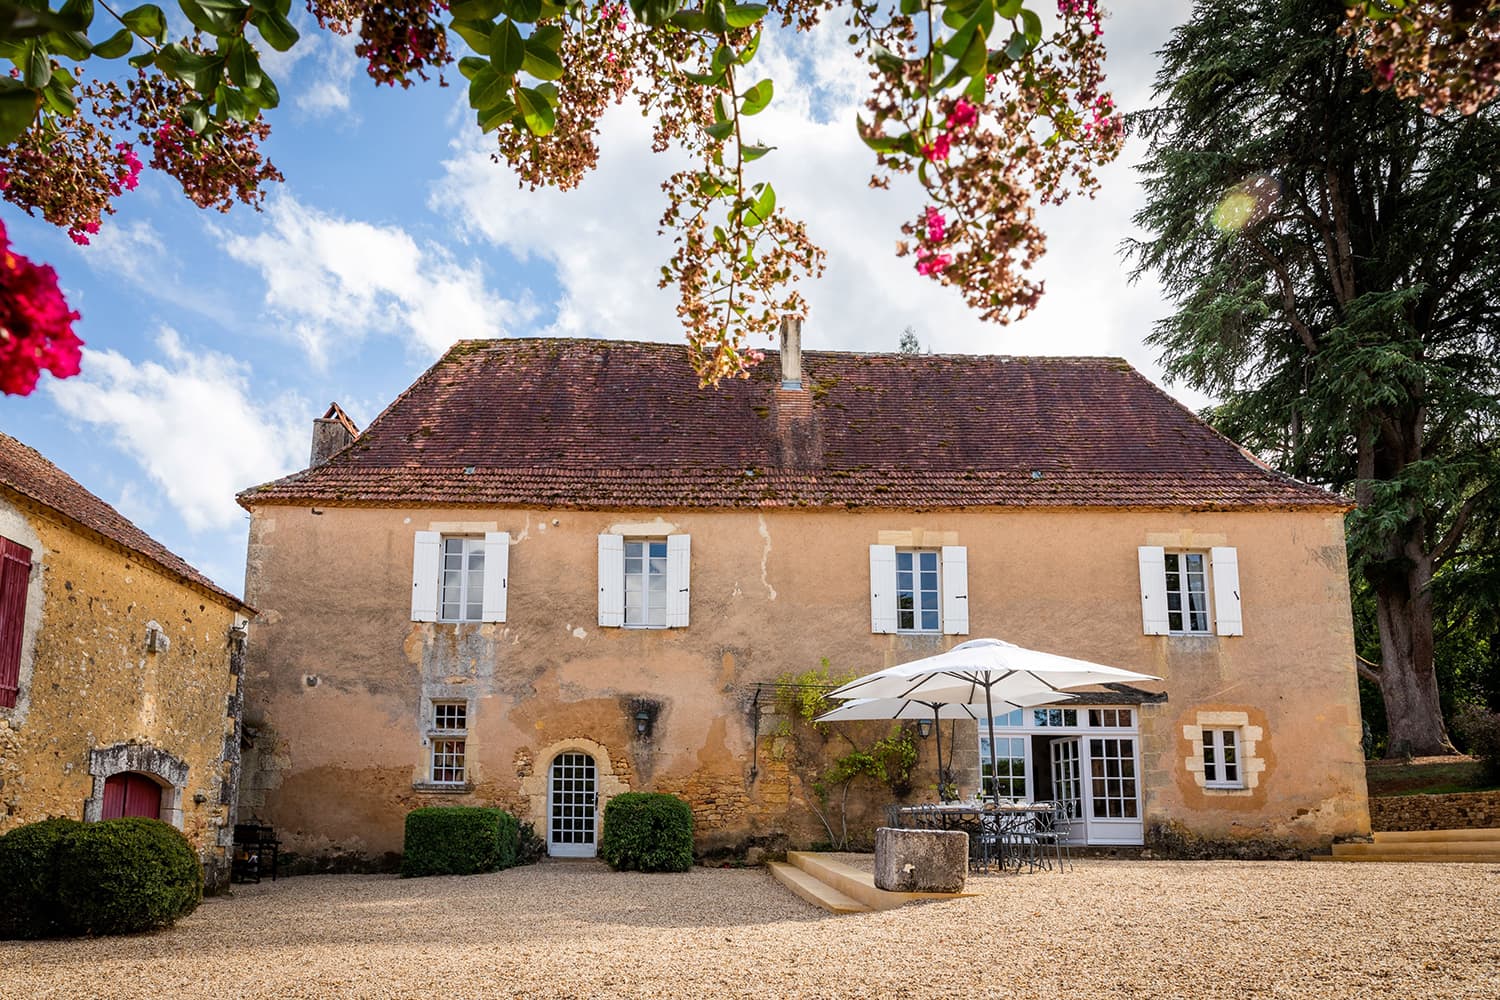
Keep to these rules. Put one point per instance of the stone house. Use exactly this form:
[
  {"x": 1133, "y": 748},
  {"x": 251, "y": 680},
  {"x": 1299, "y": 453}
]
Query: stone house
[
  {"x": 119, "y": 667},
  {"x": 552, "y": 570}
]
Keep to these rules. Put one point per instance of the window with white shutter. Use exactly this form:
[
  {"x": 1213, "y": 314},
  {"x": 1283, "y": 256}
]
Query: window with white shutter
[
  {"x": 882, "y": 588},
  {"x": 679, "y": 567},
  {"x": 496, "y": 576},
  {"x": 644, "y": 582},
  {"x": 955, "y": 590},
  {"x": 1152, "y": 560},
  {"x": 611, "y": 581},
  {"x": 1225, "y": 564},
  {"x": 425, "y": 561}
]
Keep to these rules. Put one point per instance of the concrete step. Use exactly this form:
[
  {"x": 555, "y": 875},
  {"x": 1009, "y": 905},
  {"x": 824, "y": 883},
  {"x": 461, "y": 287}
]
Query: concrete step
[
  {"x": 815, "y": 892},
  {"x": 1436, "y": 836},
  {"x": 1415, "y": 858},
  {"x": 1484, "y": 848},
  {"x": 857, "y": 884}
]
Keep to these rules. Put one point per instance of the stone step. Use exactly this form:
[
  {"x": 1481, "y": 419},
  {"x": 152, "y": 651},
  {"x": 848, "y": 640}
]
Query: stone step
[
  {"x": 815, "y": 892},
  {"x": 860, "y": 885},
  {"x": 1436, "y": 836},
  {"x": 1414, "y": 858},
  {"x": 1484, "y": 848}
]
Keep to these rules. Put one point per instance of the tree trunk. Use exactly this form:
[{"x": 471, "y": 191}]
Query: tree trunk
[{"x": 1408, "y": 682}]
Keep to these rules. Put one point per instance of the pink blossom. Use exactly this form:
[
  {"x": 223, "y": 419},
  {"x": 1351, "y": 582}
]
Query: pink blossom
[
  {"x": 937, "y": 226},
  {"x": 963, "y": 115},
  {"x": 938, "y": 148},
  {"x": 37, "y": 321},
  {"x": 931, "y": 263}
]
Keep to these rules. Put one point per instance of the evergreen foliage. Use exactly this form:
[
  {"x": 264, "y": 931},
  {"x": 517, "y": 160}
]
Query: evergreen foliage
[
  {"x": 648, "y": 832},
  {"x": 29, "y": 907},
  {"x": 1333, "y": 253},
  {"x": 458, "y": 840},
  {"x": 120, "y": 876}
]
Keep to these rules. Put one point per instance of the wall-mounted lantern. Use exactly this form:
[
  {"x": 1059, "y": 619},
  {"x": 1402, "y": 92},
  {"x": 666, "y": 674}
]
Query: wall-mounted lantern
[
  {"x": 924, "y": 728},
  {"x": 642, "y": 721}
]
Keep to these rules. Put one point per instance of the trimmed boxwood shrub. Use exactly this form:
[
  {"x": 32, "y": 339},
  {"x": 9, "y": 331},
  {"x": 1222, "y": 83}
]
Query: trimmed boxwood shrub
[
  {"x": 648, "y": 832},
  {"x": 125, "y": 875},
  {"x": 29, "y": 907},
  {"x": 458, "y": 840}
]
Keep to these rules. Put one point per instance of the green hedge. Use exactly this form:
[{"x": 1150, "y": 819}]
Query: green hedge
[
  {"x": 124, "y": 875},
  {"x": 648, "y": 832},
  {"x": 458, "y": 840},
  {"x": 29, "y": 907}
]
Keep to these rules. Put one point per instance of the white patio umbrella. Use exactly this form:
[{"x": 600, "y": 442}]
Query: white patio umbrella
[
  {"x": 985, "y": 672},
  {"x": 875, "y": 709}
]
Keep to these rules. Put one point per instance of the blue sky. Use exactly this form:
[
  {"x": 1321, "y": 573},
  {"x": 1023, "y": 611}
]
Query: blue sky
[{"x": 215, "y": 339}]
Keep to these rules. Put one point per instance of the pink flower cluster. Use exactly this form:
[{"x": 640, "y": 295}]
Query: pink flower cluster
[
  {"x": 614, "y": 13},
  {"x": 36, "y": 325},
  {"x": 127, "y": 178},
  {"x": 929, "y": 262},
  {"x": 964, "y": 114},
  {"x": 1102, "y": 122},
  {"x": 1085, "y": 10}
]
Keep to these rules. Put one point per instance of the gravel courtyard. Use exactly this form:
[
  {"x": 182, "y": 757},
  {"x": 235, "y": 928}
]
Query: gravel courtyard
[{"x": 1106, "y": 929}]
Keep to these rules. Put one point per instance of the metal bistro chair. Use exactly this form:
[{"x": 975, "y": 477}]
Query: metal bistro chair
[{"x": 1050, "y": 832}]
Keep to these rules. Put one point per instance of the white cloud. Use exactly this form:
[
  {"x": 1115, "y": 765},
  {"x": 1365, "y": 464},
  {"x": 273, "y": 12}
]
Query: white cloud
[
  {"x": 192, "y": 425},
  {"x": 136, "y": 253},
  {"x": 602, "y": 241},
  {"x": 335, "y": 67},
  {"x": 330, "y": 276}
]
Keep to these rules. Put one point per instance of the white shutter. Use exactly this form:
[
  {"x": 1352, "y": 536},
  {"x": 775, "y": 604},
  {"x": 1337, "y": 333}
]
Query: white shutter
[
  {"x": 955, "y": 590},
  {"x": 1153, "y": 559},
  {"x": 611, "y": 581},
  {"x": 882, "y": 588},
  {"x": 679, "y": 559},
  {"x": 1225, "y": 563},
  {"x": 426, "y": 560},
  {"x": 496, "y": 573}
]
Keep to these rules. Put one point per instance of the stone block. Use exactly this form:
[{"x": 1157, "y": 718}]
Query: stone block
[{"x": 920, "y": 860}]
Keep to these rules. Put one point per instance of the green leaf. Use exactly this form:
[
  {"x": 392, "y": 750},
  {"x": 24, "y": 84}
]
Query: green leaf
[
  {"x": 79, "y": 13},
  {"x": 1008, "y": 9},
  {"x": 507, "y": 48},
  {"x": 17, "y": 109},
  {"x": 195, "y": 116},
  {"x": 492, "y": 118},
  {"x": 37, "y": 69},
  {"x": 265, "y": 95},
  {"x": 757, "y": 97},
  {"x": 720, "y": 130},
  {"x": 58, "y": 96},
  {"x": 525, "y": 11},
  {"x": 1031, "y": 24},
  {"x": 973, "y": 60},
  {"x": 718, "y": 20},
  {"x": 911, "y": 6},
  {"x": 115, "y": 45},
  {"x": 213, "y": 20},
  {"x": 487, "y": 89},
  {"x": 1017, "y": 47},
  {"x": 654, "y": 12},
  {"x": 762, "y": 205},
  {"x": 753, "y": 153},
  {"x": 536, "y": 111},
  {"x": 887, "y": 60},
  {"x": 548, "y": 36},
  {"x": 275, "y": 29},
  {"x": 476, "y": 10},
  {"x": 476, "y": 33},
  {"x": 243, "y": 66},
  {"x": 470, "y": 65},
  {"x": 147, "y": 58},
  {"x": 958, "y": 44},
  {"x": 72, "y": 44},
  {"x": 750, "y": 49},
  {"x": 690, "y": 20},
  {"x": 541, "y": 62},
  {"x": 147, "y": 21}
]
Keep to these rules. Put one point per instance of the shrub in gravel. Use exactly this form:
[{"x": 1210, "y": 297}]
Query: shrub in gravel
[
  {"x": 648, "y": 832},
  {"x": 29, "y": 907},
  {"x": 530, "y": 847},
  {"x": 458, "y": 840},
  {"x": 125, "y": 875},
  {"x": 1479, "y": 729}
]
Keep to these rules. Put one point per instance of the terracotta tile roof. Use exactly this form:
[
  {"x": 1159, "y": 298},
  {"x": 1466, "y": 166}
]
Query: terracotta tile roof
[
  {"x": 596, "y": 423},
  {"x": 24, "y": 471}
]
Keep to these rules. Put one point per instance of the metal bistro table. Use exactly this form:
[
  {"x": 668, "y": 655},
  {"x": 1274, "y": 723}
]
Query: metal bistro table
[{"x": 1003, "y": 837}]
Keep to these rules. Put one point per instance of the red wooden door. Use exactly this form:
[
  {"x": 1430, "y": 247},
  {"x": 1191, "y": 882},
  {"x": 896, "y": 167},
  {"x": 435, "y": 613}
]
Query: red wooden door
[{"x": 131, "y": 795}]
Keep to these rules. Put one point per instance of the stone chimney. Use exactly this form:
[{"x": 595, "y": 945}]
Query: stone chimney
[
  {"x": 791, "y": 353},
  {"x": 332, "y": 433}
]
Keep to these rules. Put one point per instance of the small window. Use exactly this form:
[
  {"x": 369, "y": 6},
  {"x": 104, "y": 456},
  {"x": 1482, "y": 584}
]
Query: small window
[
  {"x": 1221, "y": 759},
  {"x": 1047, "y": 717},
  {"x": 646, "y": 583},
  {"x": 1187, "y": 593},
  {"x": 1010, "y": 758},
  {"x": 1111, "y": 718},
  {"x": 918, "y": 595},
  {"x": 450, "y": 726},
  {"x": 462, "y": 580}
]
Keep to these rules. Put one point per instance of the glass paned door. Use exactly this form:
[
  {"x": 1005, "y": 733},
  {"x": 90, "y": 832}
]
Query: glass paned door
[
  {"x": 1113, "y": 796},
  {"x": 1067, "y": 783},
  {"x": 571, "y": 806}
]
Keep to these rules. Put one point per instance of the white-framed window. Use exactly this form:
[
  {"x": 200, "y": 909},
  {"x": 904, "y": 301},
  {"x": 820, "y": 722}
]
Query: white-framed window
[
  {"x": 449, "y": 740},
  {"x": 1052, "y": 717},
  {"x": 461, "y": 597},
  {"x": 460, "y": 577},
  {"x": 1190, "y": 592},
  {"x": 1111, "y": 718},
  {"x": 1221, "y": 759},
  {"x": 644, "y": 582},
  {"x": 919, "y": 590},
  {"x": 1010, "y": 758}
]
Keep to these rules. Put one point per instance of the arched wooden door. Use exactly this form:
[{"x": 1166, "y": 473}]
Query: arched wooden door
[{"x": 131, "y": 794}]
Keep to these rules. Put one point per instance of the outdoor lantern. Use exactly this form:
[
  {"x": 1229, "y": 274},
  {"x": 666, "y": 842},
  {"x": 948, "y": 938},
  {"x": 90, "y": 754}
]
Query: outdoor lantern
[
  {"x": 924, "y": 728},
  {"x": 642, "y": 718}
]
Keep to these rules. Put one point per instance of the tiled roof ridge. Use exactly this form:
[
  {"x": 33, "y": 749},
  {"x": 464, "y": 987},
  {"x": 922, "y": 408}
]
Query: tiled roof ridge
[
  {"x": 112, "y": 525},
  {"x": 469, "y": 344}
]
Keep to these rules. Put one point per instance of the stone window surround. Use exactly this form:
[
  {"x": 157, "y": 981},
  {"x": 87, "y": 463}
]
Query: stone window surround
[
  {"x": 432, "y": 693},
  {"x": 141, "y": 758},
  {"x": 1251, "y": 765}
]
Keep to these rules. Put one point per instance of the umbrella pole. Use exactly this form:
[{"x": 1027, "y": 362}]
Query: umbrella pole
[
  {"x": 938, "y": 726},
  {"x": 989, "y": 712}
]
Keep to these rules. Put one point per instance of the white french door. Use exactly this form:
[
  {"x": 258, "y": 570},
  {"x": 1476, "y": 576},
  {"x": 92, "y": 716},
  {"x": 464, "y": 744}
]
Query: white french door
[
  {"x": 1112, "y": 794},
  {"x": 572, "y": 814},
  {"x": 1067, "y": 784}
]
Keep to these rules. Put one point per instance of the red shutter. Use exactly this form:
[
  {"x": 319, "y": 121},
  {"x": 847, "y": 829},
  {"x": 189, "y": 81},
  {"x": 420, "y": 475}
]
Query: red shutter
[
  {"x": 142, "y": 797},
  {"x": 15, "y": 578},
  {"x": 114, "y": 796}
]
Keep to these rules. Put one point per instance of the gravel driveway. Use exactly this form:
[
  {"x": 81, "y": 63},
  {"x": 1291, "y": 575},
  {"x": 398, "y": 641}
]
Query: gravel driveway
[{"x": 1106, "y": 929}]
